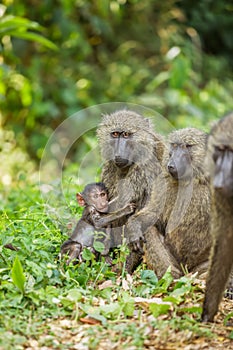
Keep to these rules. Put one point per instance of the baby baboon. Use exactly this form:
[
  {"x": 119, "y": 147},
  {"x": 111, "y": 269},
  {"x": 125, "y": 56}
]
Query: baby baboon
[
  {"x": 220, "y": 166},
  {"x": 176, "y": 219},
  {"x": 95, "y": 217},
  {"x": 131, "y": 152}
]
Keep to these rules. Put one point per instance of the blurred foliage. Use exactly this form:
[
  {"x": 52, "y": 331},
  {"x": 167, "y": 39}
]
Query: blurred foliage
[{"x": 172, "y": 56}]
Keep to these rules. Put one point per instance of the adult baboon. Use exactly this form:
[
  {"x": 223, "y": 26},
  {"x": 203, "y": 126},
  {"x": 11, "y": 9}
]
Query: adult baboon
[
  {"x": 176, "y": 219},
  {"x": 131, "y": 152},
  {"x": 220, "y": 166}
]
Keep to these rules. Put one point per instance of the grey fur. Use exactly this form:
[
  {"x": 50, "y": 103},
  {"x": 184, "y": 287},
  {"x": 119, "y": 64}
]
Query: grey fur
[
  {"x": 220, "y": 271},
  {"x": 133, "y": 184},
  {"x": 176, "y": 219}
]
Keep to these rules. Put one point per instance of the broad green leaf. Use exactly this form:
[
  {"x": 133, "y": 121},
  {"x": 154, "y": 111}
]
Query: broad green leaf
[
  {"x": 179, "y": 292},
  {"x": 149, "y": 276},
  {"x": 159, "y": 309},
  {"x": 111, "y": 311},
  {"x": 18, "y": 275},
  {"x": 98, "y": 246},
  {"x": 87, "y": 254},
  {"x": 128, "y": 309},
  {"x": 74, "y": 294}
]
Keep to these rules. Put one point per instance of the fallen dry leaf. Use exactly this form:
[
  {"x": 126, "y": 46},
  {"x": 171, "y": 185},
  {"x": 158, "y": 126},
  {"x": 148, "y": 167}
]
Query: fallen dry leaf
[
  {"x": 106, "y": 284},
  {"x": 140, "y": 300},
  {"x": 89, "y": 320}
]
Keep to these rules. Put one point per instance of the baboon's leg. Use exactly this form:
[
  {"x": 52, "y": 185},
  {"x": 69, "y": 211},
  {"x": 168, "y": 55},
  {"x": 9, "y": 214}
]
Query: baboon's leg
[
  {"x": 158, "y": 256},
  {"x": 133, "y": 260},
  {"x": 219, "y": 272}
]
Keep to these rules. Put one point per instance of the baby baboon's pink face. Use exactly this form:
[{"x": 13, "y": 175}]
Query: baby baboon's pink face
[{"x": 99, "y": 199}]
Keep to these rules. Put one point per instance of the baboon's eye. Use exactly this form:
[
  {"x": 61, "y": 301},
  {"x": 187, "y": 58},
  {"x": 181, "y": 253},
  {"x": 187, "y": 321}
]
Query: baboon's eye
[
  {"x": 221, "y": 148},
  {"x": 218, "y": 150},
  {"x": 188, "y": 146},
  {"x": 115, "y": 134},
  {"x": 126, "y": 134},
  {"x": 174, "y": 145}
]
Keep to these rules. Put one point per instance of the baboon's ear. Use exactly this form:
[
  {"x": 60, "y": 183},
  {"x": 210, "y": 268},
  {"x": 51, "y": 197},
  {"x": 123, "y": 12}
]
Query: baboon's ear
[{"x": 80, "y": 199}]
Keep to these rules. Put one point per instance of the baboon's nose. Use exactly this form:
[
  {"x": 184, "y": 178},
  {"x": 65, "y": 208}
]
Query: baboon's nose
[
  {"x": 121, "y": 162},
  {"x": 172, "y": 170}
]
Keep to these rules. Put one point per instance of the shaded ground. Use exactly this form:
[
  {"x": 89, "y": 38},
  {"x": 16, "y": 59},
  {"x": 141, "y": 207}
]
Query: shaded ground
[{"x": 129, "y": 334}]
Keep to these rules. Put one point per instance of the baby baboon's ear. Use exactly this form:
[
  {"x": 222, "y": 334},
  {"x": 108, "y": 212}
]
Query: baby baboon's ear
[{"x": 81, "y": 201}]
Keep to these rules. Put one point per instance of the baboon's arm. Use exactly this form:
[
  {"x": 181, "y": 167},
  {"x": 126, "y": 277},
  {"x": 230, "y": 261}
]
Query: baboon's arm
[
  {"x": 158, "y": 257},
  {"x": 102, "y": 220}
]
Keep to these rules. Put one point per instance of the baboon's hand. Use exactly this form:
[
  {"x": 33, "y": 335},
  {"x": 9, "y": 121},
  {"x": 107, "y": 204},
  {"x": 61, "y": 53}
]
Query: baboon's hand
[
  {"x": 137, "y": 245},
  {"x": 134, "y": 231},
  {"x": 130, "y": 208},
  {"x": 229, "y": 292}
]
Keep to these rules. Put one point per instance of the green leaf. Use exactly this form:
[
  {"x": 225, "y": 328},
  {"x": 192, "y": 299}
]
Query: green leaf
[
  {"x": 179, "y": 292},
  {"x": 111, "y": 311},
  {"x": 191, "y": 309},
  {"x": 98, "y": 246},
  {"x": 128, "y": 308},
  {"x": 21, "y": 28},
  {"x": 159, "y": 309},
  {"x": 127, "y": 304},
  {"x": 173, "y": 300},
  {"x": 164, "y": 282},
  {"x": 227, "y": 318},
  {"x": 18, "y": 275},
  {"x": 149, "y": 276},
  {"x": 87, "y": 254},
  {"x": 34, "y": 37},
  {"x": 98, "y": 317},
  {"x": 15, "y": 22},
  {"x": 74, "y": 295}
]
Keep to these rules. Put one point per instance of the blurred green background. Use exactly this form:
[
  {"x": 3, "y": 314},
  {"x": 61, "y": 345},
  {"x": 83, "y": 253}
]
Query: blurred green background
[{"x": 59, "y": 57}]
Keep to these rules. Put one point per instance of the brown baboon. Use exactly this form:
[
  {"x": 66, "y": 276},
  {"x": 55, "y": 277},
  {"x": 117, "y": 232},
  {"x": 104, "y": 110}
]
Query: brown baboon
[
  {"x": 95, "y": 217},
  {"x": 220, "y": 166},
  {"x": 131, "y": 152},
  {"x": 176, "y": 219}
]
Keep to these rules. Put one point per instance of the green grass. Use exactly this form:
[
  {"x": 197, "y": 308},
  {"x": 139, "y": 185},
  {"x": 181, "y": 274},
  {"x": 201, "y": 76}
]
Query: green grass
[{"x": 37, "y": 290}]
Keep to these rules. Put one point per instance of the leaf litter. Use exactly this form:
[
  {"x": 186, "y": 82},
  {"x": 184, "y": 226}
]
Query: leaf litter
[{"x": 176, "y": 327}]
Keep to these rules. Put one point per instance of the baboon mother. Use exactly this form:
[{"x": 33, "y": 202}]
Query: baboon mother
[{"x": 132, "y": 152}]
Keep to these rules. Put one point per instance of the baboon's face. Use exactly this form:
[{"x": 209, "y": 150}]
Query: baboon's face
[
  {"x": 98, "y": 198},
  {"x": 179, "y": 164},
  {"x": 121, "y": 143},
  {"x": 223, "y": 169}
]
